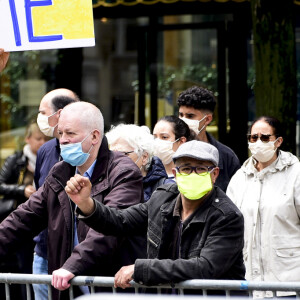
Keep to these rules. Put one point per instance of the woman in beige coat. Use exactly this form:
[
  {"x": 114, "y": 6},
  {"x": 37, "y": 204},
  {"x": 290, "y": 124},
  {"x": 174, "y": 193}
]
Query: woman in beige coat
[{"x": 267, "y": 191}]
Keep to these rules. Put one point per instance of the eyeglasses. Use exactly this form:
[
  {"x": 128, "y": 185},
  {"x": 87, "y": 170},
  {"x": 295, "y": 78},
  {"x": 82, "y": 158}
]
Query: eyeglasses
[
  {"x": 265, "y": 138},
  {"x": 187, "y": 170},
  {"x": 127, "y": 153}
]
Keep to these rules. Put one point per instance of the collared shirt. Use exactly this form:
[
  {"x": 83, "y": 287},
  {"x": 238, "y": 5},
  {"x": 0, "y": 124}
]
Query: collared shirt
[
  {"x": 179, "y": 227},
  {"x": 88, "y": 173}
]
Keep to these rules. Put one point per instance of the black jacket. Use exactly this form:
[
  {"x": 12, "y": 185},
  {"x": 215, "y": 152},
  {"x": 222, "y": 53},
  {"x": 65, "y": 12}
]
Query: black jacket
[
  {"x": 11, "y": 177},
  {"x": 211, "y": 244},
  {"x": 155, "y": 177},
  {"x": 228, "y": 162}
]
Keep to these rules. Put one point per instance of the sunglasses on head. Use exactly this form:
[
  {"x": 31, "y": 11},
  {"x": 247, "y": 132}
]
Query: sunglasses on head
[{"x": 265, "y": 138}]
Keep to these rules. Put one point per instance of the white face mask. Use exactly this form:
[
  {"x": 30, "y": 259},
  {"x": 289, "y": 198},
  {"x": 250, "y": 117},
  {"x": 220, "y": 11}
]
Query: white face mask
[
  {"x": 43, "y": 123},
  {"x": 194, "y": 124},
  {"x": 164, "y": 150},
  {"x": 262, "y": 152}
]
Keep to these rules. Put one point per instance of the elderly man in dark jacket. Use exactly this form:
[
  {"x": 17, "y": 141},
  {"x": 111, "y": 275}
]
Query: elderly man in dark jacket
[
  {"x": 116, "y": 181},
  {"x": 196, "y": 233}
]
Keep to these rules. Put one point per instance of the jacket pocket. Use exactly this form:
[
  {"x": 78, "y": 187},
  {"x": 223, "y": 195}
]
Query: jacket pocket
[
  {"x": 289, "y": 252},
  {"x": 285, "y": 263}
]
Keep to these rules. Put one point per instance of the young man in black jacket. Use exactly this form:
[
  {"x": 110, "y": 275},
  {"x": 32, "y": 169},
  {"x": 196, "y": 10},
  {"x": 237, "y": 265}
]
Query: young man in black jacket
[
  {"x": 196, "y": 108},
  {"x": 194, "y": 230}
]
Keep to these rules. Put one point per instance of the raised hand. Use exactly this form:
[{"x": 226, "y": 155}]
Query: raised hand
[{"x": 78, "y": 189}]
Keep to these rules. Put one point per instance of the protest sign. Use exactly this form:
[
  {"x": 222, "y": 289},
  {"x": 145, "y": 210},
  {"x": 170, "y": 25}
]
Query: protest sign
[{"x": 46, "y": 24}]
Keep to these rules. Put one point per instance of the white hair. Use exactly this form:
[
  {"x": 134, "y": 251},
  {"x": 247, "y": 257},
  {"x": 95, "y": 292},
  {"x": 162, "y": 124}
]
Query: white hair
[
  {"x": 138, "y": 137},
  {"x": 89, "y": 116}
]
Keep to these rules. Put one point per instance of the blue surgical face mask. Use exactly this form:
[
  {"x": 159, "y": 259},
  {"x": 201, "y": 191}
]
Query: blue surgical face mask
[{"x": 73, "y": 154}]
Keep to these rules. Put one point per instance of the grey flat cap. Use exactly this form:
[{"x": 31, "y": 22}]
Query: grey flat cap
[{"x": 198, "y": 150}]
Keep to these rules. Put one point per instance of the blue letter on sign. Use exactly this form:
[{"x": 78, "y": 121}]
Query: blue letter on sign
[
  {"x": 15, "y": 22},
  {"x": 46, "y": 38}
]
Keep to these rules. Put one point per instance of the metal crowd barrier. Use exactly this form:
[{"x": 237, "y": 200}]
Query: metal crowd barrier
[{"x": 227, "y": 286}]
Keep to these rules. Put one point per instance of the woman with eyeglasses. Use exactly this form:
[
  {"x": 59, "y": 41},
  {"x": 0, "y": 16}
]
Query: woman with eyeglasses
[
  {"x": 136, "y": 142},
  {"x": 267, "y": 191},
  {"x": 169, "y": 133}
]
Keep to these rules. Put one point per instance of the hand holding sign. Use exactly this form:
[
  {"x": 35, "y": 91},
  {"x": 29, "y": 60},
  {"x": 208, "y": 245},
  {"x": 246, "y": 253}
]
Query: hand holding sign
[
  {"x": 3, "y": 59},
  {"x": 46, "y": 24}
]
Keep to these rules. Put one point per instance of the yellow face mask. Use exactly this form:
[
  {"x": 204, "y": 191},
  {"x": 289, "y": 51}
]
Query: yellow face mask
[{"x": 194, "y": 186}]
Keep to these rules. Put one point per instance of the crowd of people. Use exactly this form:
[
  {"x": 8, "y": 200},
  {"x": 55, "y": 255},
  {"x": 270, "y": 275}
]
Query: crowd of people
[{"x": 157, "y": 208}]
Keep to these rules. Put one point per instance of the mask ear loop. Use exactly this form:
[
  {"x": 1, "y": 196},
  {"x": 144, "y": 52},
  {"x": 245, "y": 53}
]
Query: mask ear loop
[
  {"x": 86, "y": 138},
  {"x": 203, "y": 125},
  {"x": 51, "y": 116}
]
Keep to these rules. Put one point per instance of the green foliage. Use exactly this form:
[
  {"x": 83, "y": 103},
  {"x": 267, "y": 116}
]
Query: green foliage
[
  {"x": 199, "y": 74},
  {"x": 22, "y": 66}
]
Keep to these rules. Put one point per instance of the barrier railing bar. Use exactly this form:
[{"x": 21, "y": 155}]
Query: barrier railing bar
[
  {"x": 7, "y": 292},
  {"x": 181, "y": 292},
  {"x": 49, "y": 292},
  {"x": 71, "y": 292},
  {"x": 28, "y": 292},
  {"x": 205, "y": 285}
]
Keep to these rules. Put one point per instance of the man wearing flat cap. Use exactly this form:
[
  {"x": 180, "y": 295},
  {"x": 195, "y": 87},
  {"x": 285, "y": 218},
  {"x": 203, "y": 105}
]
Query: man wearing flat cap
[{"x": 194, "y": 231}]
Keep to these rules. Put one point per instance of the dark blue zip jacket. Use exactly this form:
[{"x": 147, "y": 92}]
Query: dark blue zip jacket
[{"x": 155, "y": 177}]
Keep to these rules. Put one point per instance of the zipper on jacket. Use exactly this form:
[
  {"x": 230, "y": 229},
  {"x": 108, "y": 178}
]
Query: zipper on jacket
[
  {"x": 150, "y": 240},
  {"x": 21, "y": 176},
  {"x": 180, "y": 233}
]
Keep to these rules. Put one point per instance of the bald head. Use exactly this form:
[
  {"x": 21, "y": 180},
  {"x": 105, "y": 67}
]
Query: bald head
[
  {"x": 87, "y": 114},
  {"x": 57, "y": 99},
  {"x": 50, "y": 107}
]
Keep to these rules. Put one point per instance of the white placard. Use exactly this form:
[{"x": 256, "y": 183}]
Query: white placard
[{"x": 46, "y": 24}]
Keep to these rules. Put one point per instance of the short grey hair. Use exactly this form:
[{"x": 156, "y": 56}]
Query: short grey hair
[
  {"x": 90, "y": 115},
  {"x": 138, "y": 137}
]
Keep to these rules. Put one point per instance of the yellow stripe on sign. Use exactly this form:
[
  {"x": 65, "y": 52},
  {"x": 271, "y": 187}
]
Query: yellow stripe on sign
[{"x": 72, "y": 19}]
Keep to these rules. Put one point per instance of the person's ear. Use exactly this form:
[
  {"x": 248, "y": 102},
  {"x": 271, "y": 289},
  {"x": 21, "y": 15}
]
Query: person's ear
[
  {"x": 145, "y": 157},
  {"x": 58, "y": 113},
  {"x": 174, "y": 172},
  {"x": 278, "y": 142},
  {"x": 214, "y": 174},
  {"x": 182, "y": 140},
  {"x": 95, "y": 136},
  {"x": 208, "y": 120}
]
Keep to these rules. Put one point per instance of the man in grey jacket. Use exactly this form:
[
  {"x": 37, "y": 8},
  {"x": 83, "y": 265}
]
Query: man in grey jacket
[{"x": 194, "y": 230}]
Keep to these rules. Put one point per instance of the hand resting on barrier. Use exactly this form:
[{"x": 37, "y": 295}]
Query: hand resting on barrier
[
  {"x": 124, "y": 276},
  {"x": 61, "y": 278}
]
